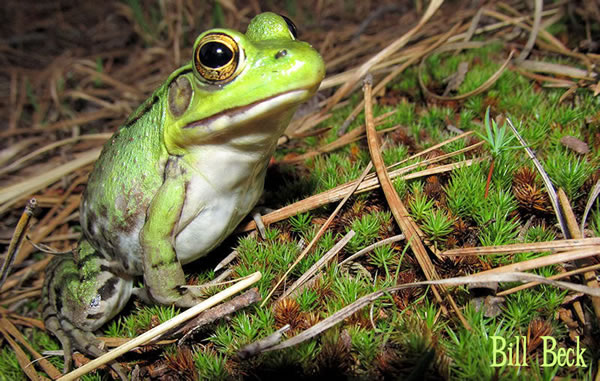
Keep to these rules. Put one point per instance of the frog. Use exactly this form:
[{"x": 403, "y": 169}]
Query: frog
[{"x": 179, "y": 175}]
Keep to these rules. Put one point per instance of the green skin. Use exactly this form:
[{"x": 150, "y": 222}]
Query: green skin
[{"x": 177, "y": 178}]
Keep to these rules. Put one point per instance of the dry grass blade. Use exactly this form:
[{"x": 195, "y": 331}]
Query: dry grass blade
[
  {"x": 552, "y": 82},
  {"x": 590, "y": 202},
  {"x": 590, "y": 276},
  {"x": 369, "y": 183},
  {"x": 536, "y": 247},
  {"x": 396, "y": 72},
  {"x": 499, "y": 25},
  {"x": 126, "y": 90},
  {"x": 320, "y": 232},
  {"x": 164, "y": 327},
  {"x": 320, "y": 263},
  {"x": 570, "y": 91},
  {"x": 259, "y": 346},
  {"x": 298, "y": 127},
  {"x": 547, "y": 260},
  {"x": 390, "y": 49},
  {"x": 396, "y": 238},
  {"x": 553, "y": 277},
  {"x": 398, "y": 209},
  {"x": 13, "y": 150},
  {"x": 51, "y": 220},
  {"x": 340, "y": 191},
  {"x": 17, "y": 240},
  {"x": 554, "y": 44},
  {"x": 518, "y": 21},
  {"x": 35, "y": 293},
  {"x": 17, "y": 163},
  {"x": 484, "y": 86},
  {"x": 557, "y": 69},
  {"x": 434, "y": 159},
  {"x": 82, "y": 119},
  {"x": 16, "y": 278},
  {"x": 338, "y": 143},
  {"x": 12, "y": 194},
  {"x": 547, "y": 181},
  {"x": 351, "y": 309},
  {"x": 472, "y": 27},
  {"x": 537, "y": 17},
  {"x": 23, "y": 320},
  {"x": 48, "y": 228},
  {"x": 439, "y": 145},
  {"x": 569, "y": 215}
]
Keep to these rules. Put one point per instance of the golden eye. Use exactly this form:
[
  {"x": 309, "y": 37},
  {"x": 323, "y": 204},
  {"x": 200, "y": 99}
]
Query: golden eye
[{"x": 217, "y": 57}]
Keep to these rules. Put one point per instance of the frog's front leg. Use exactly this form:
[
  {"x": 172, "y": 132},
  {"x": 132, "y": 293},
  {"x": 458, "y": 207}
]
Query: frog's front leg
[{"x": 163, "y": 275}]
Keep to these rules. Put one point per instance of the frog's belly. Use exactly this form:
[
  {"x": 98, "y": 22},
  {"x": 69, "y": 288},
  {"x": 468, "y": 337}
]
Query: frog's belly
[
  {"x": 212, "y": 211},
  {"x": 212, "y": 225}
]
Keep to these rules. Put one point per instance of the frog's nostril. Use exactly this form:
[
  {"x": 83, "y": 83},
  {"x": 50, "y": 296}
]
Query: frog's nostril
[{"x": 281, "y": 53}]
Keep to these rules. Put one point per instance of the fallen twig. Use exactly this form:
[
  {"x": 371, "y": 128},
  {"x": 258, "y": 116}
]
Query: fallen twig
[
  {"x": 17, "y": 240},
  {"x": 227, "y": 308}
]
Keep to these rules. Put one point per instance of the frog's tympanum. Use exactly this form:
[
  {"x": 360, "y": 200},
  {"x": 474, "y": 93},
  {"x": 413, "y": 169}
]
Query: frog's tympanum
[{"x": 177, "y": 178}]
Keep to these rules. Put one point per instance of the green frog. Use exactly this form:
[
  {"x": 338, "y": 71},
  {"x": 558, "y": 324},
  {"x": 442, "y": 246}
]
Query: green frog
[{"x": 179, "y": 175}]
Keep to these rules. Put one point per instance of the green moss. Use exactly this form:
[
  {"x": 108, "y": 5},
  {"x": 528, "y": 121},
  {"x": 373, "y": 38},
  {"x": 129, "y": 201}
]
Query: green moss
[
  {"x": 211, "y": 365},
  {"x": 568, "y": 171},
  {"x": 437, "y": 225},
  {"x": 9, "y": 366},
  {"x": 366, "y": 228},
  {"x": 465, "y": 190}
]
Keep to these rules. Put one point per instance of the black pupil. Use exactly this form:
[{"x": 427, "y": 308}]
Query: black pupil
[
  {"x": 215, "y": 54},
  {"x": 291, "y": 26}
]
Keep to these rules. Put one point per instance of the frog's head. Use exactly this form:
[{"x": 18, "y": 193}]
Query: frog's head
[{"x": 238, "y": 83}]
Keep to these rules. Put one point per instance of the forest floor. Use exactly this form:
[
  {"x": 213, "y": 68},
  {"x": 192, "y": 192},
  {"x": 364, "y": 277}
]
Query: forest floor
[{"x": 483, "y": 125}]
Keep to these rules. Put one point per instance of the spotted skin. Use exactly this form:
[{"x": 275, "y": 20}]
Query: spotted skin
[{"x": 73, "y": 307}]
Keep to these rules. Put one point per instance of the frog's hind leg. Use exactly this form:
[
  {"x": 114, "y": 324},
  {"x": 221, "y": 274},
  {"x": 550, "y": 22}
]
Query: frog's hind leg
[
  {"x": 78, "y": 297},
  {"x": 50, "y": 317}
]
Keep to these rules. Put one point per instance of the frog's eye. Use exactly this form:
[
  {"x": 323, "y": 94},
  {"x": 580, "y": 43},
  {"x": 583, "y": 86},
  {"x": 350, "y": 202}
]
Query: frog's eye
[
  {"x": 217, "y": 57},
  {"x": 291, "y": 26}
]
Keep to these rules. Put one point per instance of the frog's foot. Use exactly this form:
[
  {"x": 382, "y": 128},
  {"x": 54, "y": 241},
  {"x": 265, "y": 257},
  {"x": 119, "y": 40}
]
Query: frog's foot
[
  {"x": 257, "y": 214},
  {"x": 85, "y": 341},
  {"x": 93, "y": 347},
  {"x": 79, "y": 297},
  {"x": 53, "y": 325},
  {"x": 178, "y": 296}
]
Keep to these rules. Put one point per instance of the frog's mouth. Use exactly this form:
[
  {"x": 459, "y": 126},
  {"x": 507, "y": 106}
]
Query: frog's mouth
[{"x": 252, "y": 111}]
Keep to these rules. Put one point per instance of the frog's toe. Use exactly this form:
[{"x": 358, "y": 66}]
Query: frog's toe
[
  {"x": 89, "y": 344},
  {"x": 260, "y": 225},
  {"x": 185, "y": 297},
  {"x": 93, "y": 347},
  {"x": 188, "y": 299},
  {"x": 53, "y": 325}
]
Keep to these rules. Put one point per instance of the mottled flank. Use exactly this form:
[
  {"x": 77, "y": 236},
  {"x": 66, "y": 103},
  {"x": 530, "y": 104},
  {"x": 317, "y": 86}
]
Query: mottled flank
[
  {"x": 125, "y": 178},
  {"x": 80, "y": 296}
]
